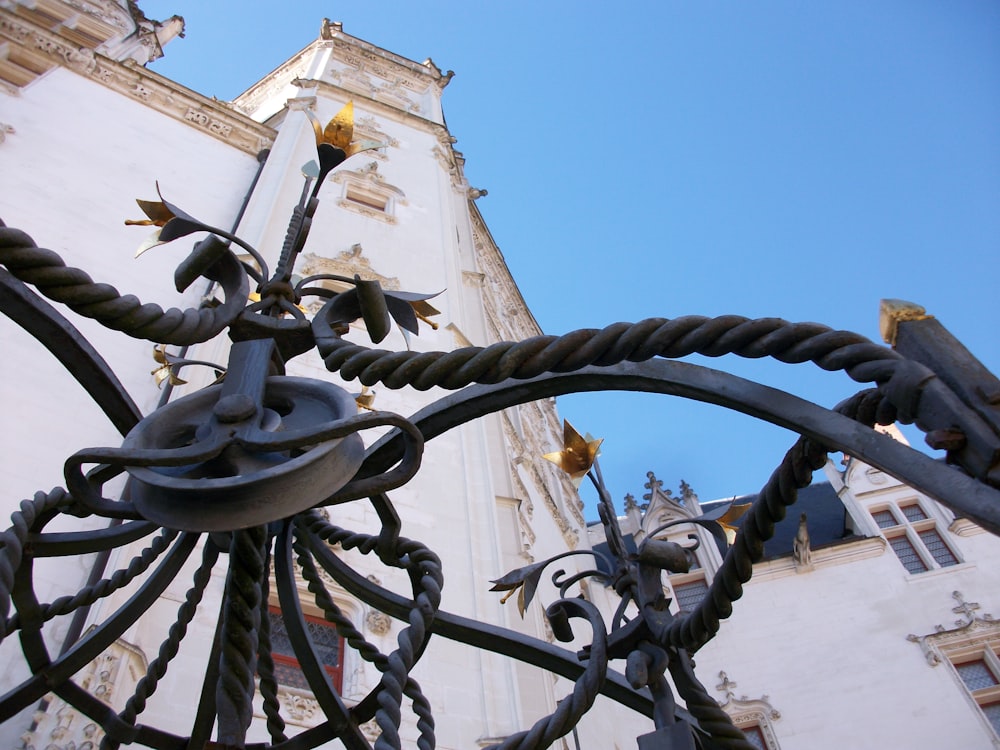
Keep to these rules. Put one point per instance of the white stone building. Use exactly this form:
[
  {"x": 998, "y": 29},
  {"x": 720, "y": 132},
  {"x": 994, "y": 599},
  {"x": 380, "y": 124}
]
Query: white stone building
[{"x": 820, "y": 645}]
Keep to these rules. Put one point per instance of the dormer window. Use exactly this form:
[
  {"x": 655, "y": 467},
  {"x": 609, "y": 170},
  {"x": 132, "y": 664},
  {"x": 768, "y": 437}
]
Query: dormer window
[{"x": 914, "y": 537}]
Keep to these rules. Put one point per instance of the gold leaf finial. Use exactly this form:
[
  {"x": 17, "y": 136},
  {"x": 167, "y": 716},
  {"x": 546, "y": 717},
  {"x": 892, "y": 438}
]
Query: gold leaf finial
[
  {"x": 577, "y": 455},
  {"x": 340, "y": 130}
]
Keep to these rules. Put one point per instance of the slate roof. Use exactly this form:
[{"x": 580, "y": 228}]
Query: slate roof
[{"x": 826, "y": 519}]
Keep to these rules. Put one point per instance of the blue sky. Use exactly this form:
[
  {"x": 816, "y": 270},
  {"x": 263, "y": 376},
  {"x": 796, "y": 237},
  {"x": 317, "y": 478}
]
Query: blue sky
[{"x": 659, "y": 159}]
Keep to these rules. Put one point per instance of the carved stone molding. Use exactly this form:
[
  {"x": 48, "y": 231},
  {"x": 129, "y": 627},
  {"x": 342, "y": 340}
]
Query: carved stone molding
[
  {"x": 366, "y": 185},
  {"x": 970, "y": 629},
  {"x": 506, "y": 314},
  {"x": 527, "y": 443},
  {"x": 110, "y": 678},
  {"x": 37, "y": 41},
  {"x": 965, "y": 527},
  {"x": 208, "y": 115},
  {"x": 286, "y": 75},
  {"x": 746, "y": 712},
  {"x": 298, "y": 707},
  {"x": 347, "y": 263},
  {"x": 109, "y": 11},
  {"x": 377, "y": 622},
  {"x": 371, "y": 730},
  {"x": 389, "y": 68}
]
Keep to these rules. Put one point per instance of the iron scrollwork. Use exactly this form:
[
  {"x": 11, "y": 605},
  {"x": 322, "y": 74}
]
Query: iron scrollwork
[{"x": 239, "y": 471}]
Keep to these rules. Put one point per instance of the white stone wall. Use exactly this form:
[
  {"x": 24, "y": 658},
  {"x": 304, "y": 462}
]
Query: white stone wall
[
  {"x": 823, "y": 652},
  {"x": 81, "y": 152}
]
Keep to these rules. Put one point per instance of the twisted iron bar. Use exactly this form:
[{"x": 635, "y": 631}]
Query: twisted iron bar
[
  {"x": 365, "y": 649},
  {"x": 138, "y": 565},
  {"x": 46, "y": 271},
  {"x": 780, "y": 491},
  {"x": 710, "y": 715},
  {"x": 12, "y": 541},
  {"x": 136, "y": 704},
  {"x": 241, "y": 622},
  {"x": 863, "y": 360},
  {"x": 424, "y": 568},
  {"x": 268, "y": 685}
]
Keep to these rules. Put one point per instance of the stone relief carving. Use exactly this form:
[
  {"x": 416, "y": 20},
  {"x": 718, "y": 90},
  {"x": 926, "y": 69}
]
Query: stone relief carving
[
  {"x": 395, "y": 93},
  {"x": 396, "y": 71},
  {"x": 801, "y": 548},
  {"x": 300, "y": 709},
  {"x": 377, "y": 622},
  {"x": 106, "y": 10},
  {"x": 875, "y": 476},
  {"x": 969, "y": 630},
  {"x": 6, "y": 130},
  {"x": 371, "y": 730},
  {"x": 347, "y": 263},
  {"x": 745, "y": 711},
  {"x": 206, "y": 121},
  {"x": 525, "y": 445},
  {"x": 354, "y": 80},
  {"x": 300, "y": 103},
  {"x": 58, "y": 726}
]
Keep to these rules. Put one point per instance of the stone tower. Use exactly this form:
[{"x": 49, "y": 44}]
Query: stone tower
[{"x": 87, "y": 130}]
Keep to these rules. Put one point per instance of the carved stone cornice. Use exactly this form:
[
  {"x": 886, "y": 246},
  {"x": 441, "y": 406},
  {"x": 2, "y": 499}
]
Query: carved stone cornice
[
  {"x": 36, "y": 41},
  {"x": 337, "y": 92},
  {"x": 388, "y": 65},
  {"x": 840, "y": 553},
  {"x": 108, "y": 11},
  {"x": 135, "y": 82},
  {"x": 287, "y": 74},
  {"x": 211, "y": 116}
]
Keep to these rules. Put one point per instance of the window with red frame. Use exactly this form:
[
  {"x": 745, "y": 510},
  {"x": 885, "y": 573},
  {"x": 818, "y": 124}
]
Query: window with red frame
[{"x": 329, "y": 650}]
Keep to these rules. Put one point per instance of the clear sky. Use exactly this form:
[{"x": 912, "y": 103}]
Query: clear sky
[{"x": 659, "y": 159}]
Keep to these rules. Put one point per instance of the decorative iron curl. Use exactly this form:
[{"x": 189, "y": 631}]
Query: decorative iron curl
[
  {"x": 571, "y": 709},
  {"x": 424, "y": 568},
  {"x": 32, "y": 514},
  {"x": 863, "y": 360},
  {"x": 366, "y": 650},
  {"x": 794, "y": 473},
  {"x": 47, "y": 272}
]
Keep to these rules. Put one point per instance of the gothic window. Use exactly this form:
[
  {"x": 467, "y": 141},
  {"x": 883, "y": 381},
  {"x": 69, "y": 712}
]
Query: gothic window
[
  {"x": 914, "y": 537},
  {"x": 328, "y": 644},
  {"x": 979, "y": 671},
  {"x": 755, "y": 736},
  {"x": 753, "y": 717},
  {"x": 688, "y": 592}
]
